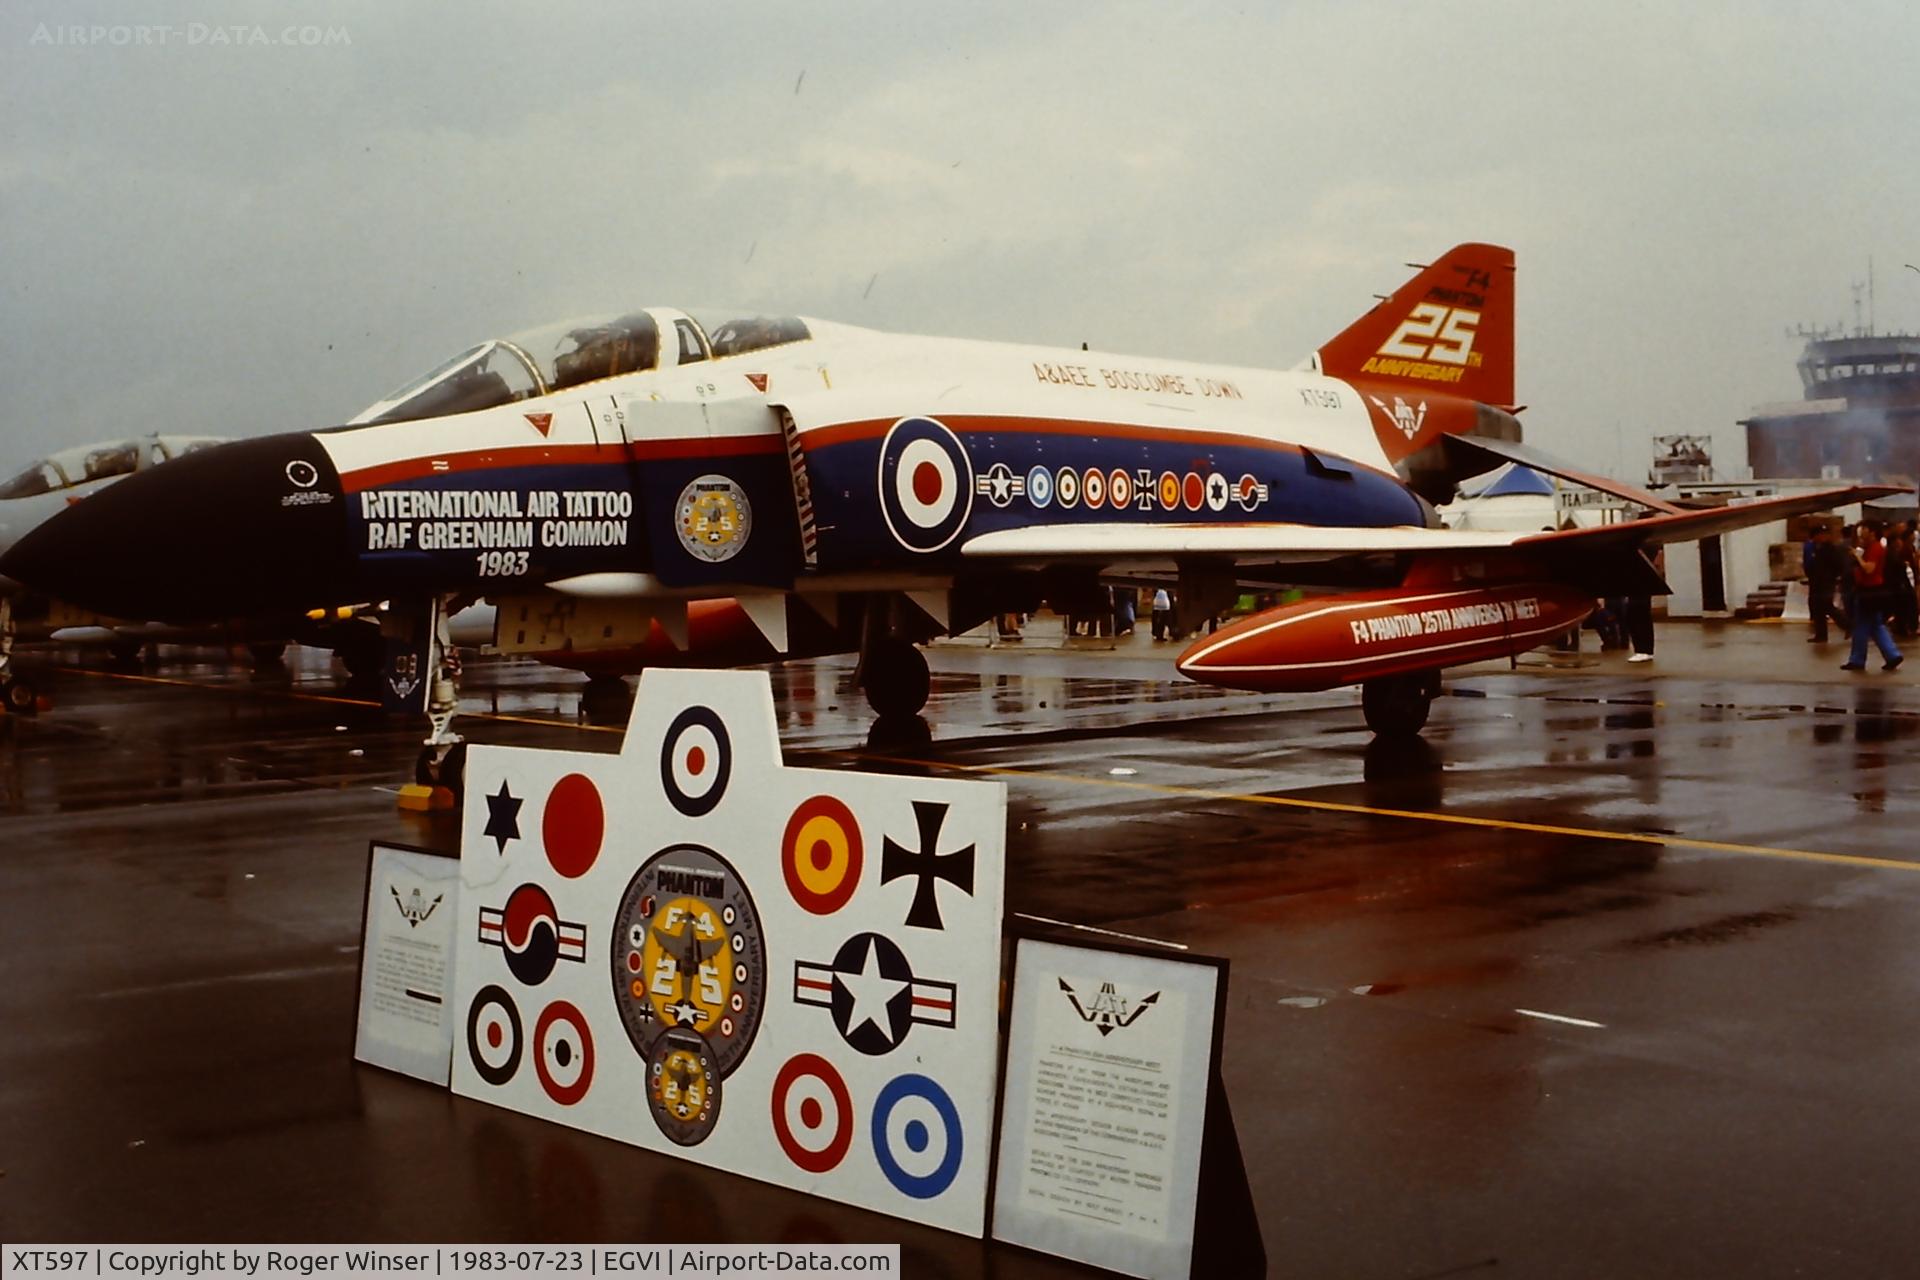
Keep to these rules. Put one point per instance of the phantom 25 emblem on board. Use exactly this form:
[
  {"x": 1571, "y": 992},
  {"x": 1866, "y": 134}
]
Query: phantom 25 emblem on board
[{"x": 1108, "y": 1011}]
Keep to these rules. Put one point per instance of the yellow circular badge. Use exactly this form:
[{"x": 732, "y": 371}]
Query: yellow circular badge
[{"x": 713, "y": 518}]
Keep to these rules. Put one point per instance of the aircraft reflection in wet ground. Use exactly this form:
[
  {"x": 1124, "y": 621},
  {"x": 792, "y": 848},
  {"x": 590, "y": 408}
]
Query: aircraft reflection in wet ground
[{"x": 1607, "y": 970}]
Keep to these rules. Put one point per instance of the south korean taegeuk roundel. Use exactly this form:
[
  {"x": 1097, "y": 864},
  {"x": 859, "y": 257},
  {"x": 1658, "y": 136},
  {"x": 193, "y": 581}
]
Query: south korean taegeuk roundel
[{"x": 926, "y": 484}]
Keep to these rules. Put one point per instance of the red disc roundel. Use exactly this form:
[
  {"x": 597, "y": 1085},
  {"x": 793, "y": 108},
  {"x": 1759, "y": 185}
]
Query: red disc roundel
[{"x": 573, "y": 825}]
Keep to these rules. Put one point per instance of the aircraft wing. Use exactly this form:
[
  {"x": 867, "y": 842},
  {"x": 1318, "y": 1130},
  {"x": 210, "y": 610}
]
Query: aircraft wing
[
  {"x": 1485, "y": 453},
  {"x": 1111, "y": 542},
  {"x": 1685, "y": 526}
]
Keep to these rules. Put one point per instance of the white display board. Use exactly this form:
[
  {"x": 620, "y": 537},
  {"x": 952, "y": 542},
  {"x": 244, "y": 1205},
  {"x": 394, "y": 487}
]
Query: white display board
[
  {"x": 787, "y": 973},
  {"x": 405, "y": 1020},
  {"x": 1110, "y": 1056}
]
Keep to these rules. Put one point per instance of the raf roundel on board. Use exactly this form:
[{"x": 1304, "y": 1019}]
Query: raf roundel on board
[
  {"x": 926, "y": 484},
  {"x": 493, "y": 1035},
  {"x": 696, "y": 759}
]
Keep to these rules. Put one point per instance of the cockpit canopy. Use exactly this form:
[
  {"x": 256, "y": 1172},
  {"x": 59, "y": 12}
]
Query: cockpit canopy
[
  {"x": 553, "y": 358},
  {"x": 103, "y": 461}
]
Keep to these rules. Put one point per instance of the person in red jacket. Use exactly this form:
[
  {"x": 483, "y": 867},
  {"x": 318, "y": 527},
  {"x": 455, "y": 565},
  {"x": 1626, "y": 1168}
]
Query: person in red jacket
[{"x": 1870, "y": 600}]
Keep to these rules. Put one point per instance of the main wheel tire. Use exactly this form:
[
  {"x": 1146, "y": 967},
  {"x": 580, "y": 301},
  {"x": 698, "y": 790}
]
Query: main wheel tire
[
  {"x": 896, "y": 679},
  {"x": 1397, "y": 706},
  {"x": 19, "y": 696},
  {"x": 607, "y": 700}
]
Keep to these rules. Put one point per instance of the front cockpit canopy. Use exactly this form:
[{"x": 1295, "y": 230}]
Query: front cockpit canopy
[
  {"x": 559, "y": 356},
  {"x": 88, "y": 462}
]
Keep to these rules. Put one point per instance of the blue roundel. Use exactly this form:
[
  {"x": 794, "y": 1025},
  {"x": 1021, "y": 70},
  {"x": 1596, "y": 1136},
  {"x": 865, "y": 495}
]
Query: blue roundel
[
  {"x": 1040, "y": 486},
  {"x": 922, "y": 1157},
  {"x": 926, "y": 484}
]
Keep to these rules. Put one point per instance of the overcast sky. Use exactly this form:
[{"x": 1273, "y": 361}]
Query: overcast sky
[{"x": 216, "y": 235}]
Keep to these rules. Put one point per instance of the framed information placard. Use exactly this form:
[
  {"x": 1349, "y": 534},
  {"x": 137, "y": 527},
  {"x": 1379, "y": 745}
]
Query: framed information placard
[
  {"x": 405, "y": 1019},
  {"x": 1105, "y": 1129}
]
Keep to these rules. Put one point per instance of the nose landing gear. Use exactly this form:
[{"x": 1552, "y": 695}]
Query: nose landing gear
[{"x": 16, "y": 695}]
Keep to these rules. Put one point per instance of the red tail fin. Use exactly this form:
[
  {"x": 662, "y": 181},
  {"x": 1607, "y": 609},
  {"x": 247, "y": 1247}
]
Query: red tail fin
[{"x": 1447, "y": 331}]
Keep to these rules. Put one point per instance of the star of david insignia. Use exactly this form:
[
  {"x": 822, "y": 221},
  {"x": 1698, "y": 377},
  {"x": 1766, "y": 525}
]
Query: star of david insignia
[
  {"x": 503, "y": 816},
  {"x": 927, "y": 864}
]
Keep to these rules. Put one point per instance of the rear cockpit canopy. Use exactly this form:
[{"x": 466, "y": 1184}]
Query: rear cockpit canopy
[
  {"x": 556, "y": 357},
  {"x": 85, "y": 463}
]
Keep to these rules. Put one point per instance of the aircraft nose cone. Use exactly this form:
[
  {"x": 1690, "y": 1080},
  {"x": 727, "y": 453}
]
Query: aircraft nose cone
[{"x": 252, "y": 527}]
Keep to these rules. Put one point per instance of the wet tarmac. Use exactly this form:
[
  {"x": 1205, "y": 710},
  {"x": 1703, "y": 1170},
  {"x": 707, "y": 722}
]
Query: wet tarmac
[{"x": 1612, "y": 974}]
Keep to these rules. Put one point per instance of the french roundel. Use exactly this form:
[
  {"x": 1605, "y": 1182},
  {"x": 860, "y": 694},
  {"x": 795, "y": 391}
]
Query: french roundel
[
  {"x": 821, "y": 855},
  {"x": 493, "y": 1035},
  {"x": 1093, "y": 487},
  {"x": 1120, "y": 489},
  {"x": 917, "y": 1138},
  {"x": 696, "y": 760},
  {"x": 563, "y": 1053},
  {"x": 926, "y": 484},
  {"x": 812, "y": 1113}
]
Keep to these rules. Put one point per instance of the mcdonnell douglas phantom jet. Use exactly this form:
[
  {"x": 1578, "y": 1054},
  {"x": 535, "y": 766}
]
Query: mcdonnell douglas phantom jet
[{"x": 706, "y": 487}]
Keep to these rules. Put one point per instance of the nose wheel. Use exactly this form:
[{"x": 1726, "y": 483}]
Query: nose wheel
[
  {"x": 1397, "y": 706},
  {"x": 442, "y": 761},
  {"x": 16, "y": 695}
]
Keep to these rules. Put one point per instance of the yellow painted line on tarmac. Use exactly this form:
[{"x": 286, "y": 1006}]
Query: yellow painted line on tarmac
[
  {"x": 1417, "y": 815},
  {"x": 256, "y": 691},
  {"x": 216, "y": 688}
]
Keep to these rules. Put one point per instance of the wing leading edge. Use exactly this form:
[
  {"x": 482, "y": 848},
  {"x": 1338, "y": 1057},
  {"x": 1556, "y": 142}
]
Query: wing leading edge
[{"x": 1110, "y": 542}]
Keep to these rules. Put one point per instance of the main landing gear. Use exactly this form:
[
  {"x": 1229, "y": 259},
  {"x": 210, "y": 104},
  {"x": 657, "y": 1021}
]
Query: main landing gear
[
  {"x": 443, "y": 756},
  {"x": 1397, "y": 706},
  {"x": 16, "y": 695},
  {"x": 894, "y": 674}
]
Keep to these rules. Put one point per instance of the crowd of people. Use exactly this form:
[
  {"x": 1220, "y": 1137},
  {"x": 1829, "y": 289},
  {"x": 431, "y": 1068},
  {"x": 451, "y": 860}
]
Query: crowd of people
[
  {"x": 1117, "y": 617},
  {"x": 1863, "y": 581}
]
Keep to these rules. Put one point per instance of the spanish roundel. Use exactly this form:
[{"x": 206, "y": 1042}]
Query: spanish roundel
[{"x": 926, "y": 484}]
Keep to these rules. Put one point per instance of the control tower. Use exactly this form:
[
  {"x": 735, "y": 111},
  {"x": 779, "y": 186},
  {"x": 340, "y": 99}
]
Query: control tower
[{"x": 1860, "y": 417}]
